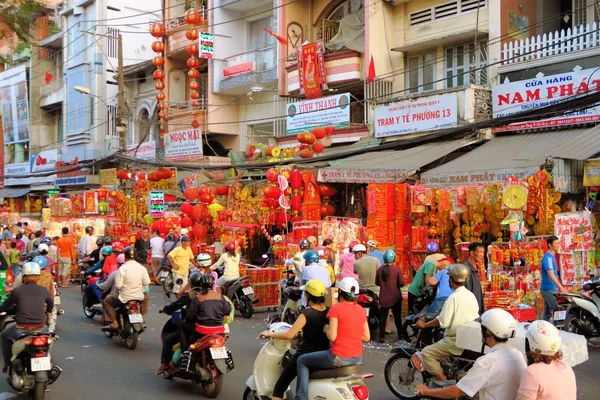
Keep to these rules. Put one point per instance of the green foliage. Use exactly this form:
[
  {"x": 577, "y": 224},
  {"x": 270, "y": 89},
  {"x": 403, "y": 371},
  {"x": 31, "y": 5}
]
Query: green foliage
[{"x": 18, "y": 16}]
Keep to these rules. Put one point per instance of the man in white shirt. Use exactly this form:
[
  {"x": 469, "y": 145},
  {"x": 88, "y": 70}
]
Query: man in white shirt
[
  {"x": 460, "y": 307},
  {"x": 132, "y": 282},
  {"x": 231, "y": 260},
  {"x": 86, "y": 244},
  {"x": 494, "y": 376},
  {"x": 157, "y": 250},
  {"x": 313, "y": 270}
]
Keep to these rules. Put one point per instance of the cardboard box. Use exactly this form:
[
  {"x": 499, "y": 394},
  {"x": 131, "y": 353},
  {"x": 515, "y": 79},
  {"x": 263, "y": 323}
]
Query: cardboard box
[{"x": 331, "y": 296}]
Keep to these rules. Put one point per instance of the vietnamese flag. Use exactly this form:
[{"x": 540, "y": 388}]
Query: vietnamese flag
[
  {"x": 48, "y": 77},
  {"x": 279, "y": 38},
  {"x": 371, "y": 73}
]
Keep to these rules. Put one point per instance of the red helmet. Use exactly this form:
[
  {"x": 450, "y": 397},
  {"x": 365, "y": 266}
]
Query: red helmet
[
  {"x": 117, "y": 247},
  {"x": 230, "y": 246},
  {"x": 352, "y": 244}
]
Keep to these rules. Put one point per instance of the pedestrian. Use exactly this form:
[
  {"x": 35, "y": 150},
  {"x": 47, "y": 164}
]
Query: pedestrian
[
  {"x": 475, "y": 262},
  {"x": 366, "y": 268},
  {"x": 66, "y": 256},
  {"x": 374, "y": 251},
  {"x": 550, "y": 282},
  {"x": 4, "y": 247},
  {"x": 390, "y": 280},
  {"x": 14, "y": 257},
  {"x": 157, "y": 245},
  {"x": 347, "y": 262},
  {"x": 6, "y": 233},
  {"x": 180, "y": 259},
  {"x": 20, "y": 242},
  {"x": 29, "y": 245},
  {"x": 330, "y": 255},
  {"x": 86, "y": 244},
  {"x": 142, "y": 248},
  {"x": 53, "y": 251}
]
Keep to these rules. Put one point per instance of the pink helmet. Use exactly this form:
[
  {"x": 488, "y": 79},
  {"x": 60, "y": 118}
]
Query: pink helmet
[{"x": 121, "y": 259}]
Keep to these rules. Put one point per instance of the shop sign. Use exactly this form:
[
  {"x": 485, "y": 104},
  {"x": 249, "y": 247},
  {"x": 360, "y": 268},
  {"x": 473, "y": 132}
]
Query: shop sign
[
  {"x": 342, "y": 175},
  {"x": 515, "y": 97},
  {"x": 43, "y": 161},
  {"x": 75, "y": 180},
  {"x": 17, "y": 169},
  {"x": 419, "y": 115},
  {"x": 183, "y": 145},
  {"x": 305, "y": 115},
  {"x": 145, "y": 151},
  {"x": 239, "y": 68},
  {"x": 108, "y": 177},
  {"x": 452, "y": 179},
  {"x": 591, "y": 173},
  {"x": 207, "y": 49},
  {"x": 157, "y": 203},
  {"x": 64, "y": 175}
]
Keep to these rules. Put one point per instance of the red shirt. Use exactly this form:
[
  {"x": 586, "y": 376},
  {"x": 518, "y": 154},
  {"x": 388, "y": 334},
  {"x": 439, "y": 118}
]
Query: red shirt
[
  {"x": 110, "y": 264},
  {"x": 351, "y": 321}
]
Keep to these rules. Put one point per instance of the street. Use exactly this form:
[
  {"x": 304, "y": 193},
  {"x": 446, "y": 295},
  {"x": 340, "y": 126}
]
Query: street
[{"x": 96, "y": 368}]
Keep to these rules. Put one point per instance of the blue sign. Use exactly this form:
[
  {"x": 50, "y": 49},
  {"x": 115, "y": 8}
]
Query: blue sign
[{"x": 73, "y": 180}]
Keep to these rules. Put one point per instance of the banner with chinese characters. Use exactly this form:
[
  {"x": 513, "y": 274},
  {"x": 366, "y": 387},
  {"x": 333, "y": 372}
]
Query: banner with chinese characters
[
  {"x": 90, "y": 202},
  {"x": 108, "y": 177},
  {"x": 577, "y": 254},
  {"x": 311, "y": 71}
]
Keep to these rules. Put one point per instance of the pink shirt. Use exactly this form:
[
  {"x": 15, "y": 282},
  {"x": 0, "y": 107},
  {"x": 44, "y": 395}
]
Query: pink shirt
[
  {"x": 555, "y": 381},
  {"x": 347, "y": 266}
]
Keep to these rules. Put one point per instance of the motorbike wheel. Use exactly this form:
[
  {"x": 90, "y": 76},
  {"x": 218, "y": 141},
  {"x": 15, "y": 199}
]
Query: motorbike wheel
[
  {"x": 213, "y": 389},
  {"x": 132, "y": 338},
  {"x": 408, "y": 332},
  {"x": 247, "y": 309},
  {"x": 401, "y": 378},
  {"x": 87, "y": 312},
  {"x": 168, "y": 283},
  {"x": 39, "y": 391},
  {"x": 249, "y": 394}
]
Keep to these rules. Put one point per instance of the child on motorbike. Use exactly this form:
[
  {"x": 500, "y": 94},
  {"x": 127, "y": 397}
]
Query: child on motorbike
[{"x": 311, "y": 322}]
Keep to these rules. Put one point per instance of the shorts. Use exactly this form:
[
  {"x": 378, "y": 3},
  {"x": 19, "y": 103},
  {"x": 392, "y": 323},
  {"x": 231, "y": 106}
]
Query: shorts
[
  {"x": 64, "y": 266},
  {"x": 184, "y": 281}
]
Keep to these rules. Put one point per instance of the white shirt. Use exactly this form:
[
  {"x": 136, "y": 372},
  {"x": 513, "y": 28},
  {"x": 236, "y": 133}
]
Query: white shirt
[
  {"x": 460, "y": 307},
  {"x": 53, "y": 252},
  {"x": 130, "y": 281},
  {"x": 232, "y": 266},
  {"x": 496, "y": 375},
  {"x": 86, "y": 245},
  {"x": 157, "y": 245}
]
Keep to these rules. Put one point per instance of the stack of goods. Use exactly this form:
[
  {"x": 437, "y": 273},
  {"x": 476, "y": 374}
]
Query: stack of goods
[{"x": 265, "y": 282}]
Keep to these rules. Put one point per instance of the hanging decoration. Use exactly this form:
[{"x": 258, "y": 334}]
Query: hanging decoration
[
  {"x": 193, "y": 18},
  {"x": 158, "y": 31},
  {"x": 314, "y": 143}
]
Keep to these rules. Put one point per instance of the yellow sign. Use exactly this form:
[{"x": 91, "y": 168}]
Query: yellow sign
[
  {"x": 108, "y": 177},
  {"x": 591, "y": 173}
]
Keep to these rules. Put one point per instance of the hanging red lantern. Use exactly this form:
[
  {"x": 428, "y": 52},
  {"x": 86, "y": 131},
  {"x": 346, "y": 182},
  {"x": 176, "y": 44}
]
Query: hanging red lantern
[
  {"x": 158, "y": 61},
  {"x": 319, "y": 132},
  {"x": 163, "y": 173},
  {"x": 329, "y": 130},
  {"x": 192, "y": 34},
  {"x": 273, "y": 203},
  {"x": 141, "y": 176},
  {"x": 195, "y": 95},
  {"x": 306, "y": 138},
  {"x": 159, "y": 85},
  {"x": 222, "y": 190},
  {"x": 122, "y": 174},
  {"x": 283, "y": 218},
  {"x": 158, "y": 46},
  {"x": 161, "y": 106},
  {"x": 206, "y": 198},
  {"x": 192, "y": 17},
  {"x": 158, "y": 74},
  {"x": 192, "y": 49},
  {"x": 272, "y": 192},
  {"x": 161, "y": 114},
  {"x": 199, "y": 212},
  {"x": 194, "y": 85},
  {"x": 327, "y": 210},
  {"x": 272, "y": 175},
  {"x": 194, "y": 73},
  {"x": 193, "y": 62},
  {"x": 196, "y": 103},
  {"x": 158, "y": 30},
  {"x": 160, "y": 96},
  {"x": 186, "y": 222},
  {"x": 318, "y": 147},
  {"x": 199, "y": 231},
  {"x": 306, "y": 153},
  {"x": 190, "y": 194},
  {"x": 152, "y": 177},
  {"x": 186, "y": 208},
  {"x": 112, "y": 204},
  {"x": 326, "y": 190},
  {"x": 113, "y": 194},
  {"x": 295, "y": 180},
  {"x": 161, "y": 226},
  {"x": 296, "y": 202},
  {"x": 285, "y": 172},
  {"x": 141, "y": 185}
]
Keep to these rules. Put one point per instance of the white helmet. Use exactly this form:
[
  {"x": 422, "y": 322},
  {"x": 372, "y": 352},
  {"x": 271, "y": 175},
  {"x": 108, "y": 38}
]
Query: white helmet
[
  {"x": 359, "y": 247},
  {"x": 204, "y": 260},
  {"x": 348, "y": 285},
  {"x": 31, "y": 268},
  {"x": 372, "y": 243},
  {"x": 500, "y": 323},
  {"x": 183, "y": 231},
  {"x": 43, "y": 247},
  {"x": 277, "y": 239},
  {"x": 543, "y": 338}
]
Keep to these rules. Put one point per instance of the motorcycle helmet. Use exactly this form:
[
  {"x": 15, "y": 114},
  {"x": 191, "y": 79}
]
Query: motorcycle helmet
[
  {"x": 389, "y": 256},
  {"x": 207, "y": 281},
  {"x": 46, "y": 240},
  {"x": 500, "y": 323},
  {"x": 195, "y": 280},
  {"x": 129, "y": 252},
  {"x": 204, "y": 260},
  {"x": 89, "y": 229},
  {"x": 43, "y": 249},
  {"x": 117, "y": 247},
  {"x": 106, "y": 251},
  {"x": 31, "y": 255},
  {"x": 372, "y": 243},
  {"x": 41, "y": 261},
  {"x": 100, "y": 242},
  {"x": 184, "y": 232},
  {"x": 277, "y": 239},
  {"x": 304, "y": 244},
  {"x": 311, "y": 256},
  {"x": 349, "y": 285},
  {"x": 543, "y": 338},
  {"x": 315, "y": 287},
  {"x": 459, "y": 273},
  {"x": 352, "y": 244},
  {"x": 230, "y": 246},
  {"x": 170, "y": 237},
  {"x": 433, "y": 247},
  {"x": 31, "y": 268},
  {"x": 121, "y": 259},
  {"x": 107, "y": 241},
  {"x": 359, "y": 248}
]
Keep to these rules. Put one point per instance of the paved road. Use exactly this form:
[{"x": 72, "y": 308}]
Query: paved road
[{"x": 96, "y": 368}]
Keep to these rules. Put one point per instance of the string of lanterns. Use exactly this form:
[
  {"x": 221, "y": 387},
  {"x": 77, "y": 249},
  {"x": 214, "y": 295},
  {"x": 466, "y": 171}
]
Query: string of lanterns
[
  {"x": 193, "y": 18},
  {"x": 158, "y": 31}
]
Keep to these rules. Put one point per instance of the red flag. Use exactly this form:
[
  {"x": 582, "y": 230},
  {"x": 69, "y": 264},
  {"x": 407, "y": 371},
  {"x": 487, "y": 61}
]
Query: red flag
[
  {"x": 280, "y": 39},
  {"x": 48, "y": 77},
  {"x": 371, "y": 74}
]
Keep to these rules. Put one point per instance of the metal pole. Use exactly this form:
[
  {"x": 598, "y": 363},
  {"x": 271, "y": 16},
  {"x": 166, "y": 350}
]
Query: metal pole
[{"x": 122, "y": 122}]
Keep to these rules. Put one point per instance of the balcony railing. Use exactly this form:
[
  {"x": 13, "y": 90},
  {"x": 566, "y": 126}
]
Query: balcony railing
[
  {"x": 174, "y": 24},
  {"x": 554, "y": 43},
  {"x": 251, "y": 61},
  {"x": 185, "y": 107},
  {"x": 50, "y": 88}
]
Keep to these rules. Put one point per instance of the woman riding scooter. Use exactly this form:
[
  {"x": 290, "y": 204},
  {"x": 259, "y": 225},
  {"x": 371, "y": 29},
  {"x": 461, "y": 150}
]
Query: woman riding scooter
[
  {"x": 347, "y": 330},
  {"x": 311, "y": 321}
]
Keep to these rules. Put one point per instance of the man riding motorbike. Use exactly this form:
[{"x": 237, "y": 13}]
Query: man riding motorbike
[
  {"x": 231, "y": 259},
  {"x": 495, "y": 375},
  {"x": 109, "y": 284},
  {"x": 298, "y": 259},
  {"x": 32, "y": 303},
  {"x": 313, "y": 270}
]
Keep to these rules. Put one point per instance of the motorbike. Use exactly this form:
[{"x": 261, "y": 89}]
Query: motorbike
[
  {"x": 421, "y": 337},
  {"x": 165, "y": 278},
  {"x": 31, "y": 369},
  {"x": 205, "y": 363},
  {"x": 90, "y": 309},
  {"x": 131, "y": 324},
  {"x": 241, "y": 293},
  {"x": 334, "y": 383},
  {"x": 369, "y": 301},
  {"x": 579, "y": 313},
  {"x": 290, "y": 296}
]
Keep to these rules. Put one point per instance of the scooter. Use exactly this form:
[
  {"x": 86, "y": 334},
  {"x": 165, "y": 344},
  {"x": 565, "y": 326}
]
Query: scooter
[
  {"x": 240, "y": 292},
  {"x": 579, "y": 313},
  {"x": 290, "y": 296},
  {"x": 131, "y": 324},
  {"x": 344, "y": 383},
  {"x": 369, "y": 301}
]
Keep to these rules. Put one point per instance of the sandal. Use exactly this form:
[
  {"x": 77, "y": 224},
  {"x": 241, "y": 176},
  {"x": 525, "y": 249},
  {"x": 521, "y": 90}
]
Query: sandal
[{"x": 161, "y": 370}]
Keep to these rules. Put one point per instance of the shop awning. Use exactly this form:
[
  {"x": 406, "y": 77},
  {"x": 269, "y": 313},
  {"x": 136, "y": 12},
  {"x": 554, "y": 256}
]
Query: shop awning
[
  {"x": 12, "y": 193},
  {"x": 520, "y": 155},
  {"x": 387, "y": 166}
]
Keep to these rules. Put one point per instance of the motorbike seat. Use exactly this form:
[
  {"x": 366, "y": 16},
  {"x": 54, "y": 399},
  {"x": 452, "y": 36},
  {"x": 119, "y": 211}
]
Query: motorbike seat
[
  {"x": 228, "y": 284},
  {"x": 470, "y": 355},
  {"x": 334, "y": 372}
]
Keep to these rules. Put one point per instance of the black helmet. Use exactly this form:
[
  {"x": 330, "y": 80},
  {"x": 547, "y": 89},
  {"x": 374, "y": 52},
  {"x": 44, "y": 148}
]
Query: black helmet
[
  {"x": 304, "y": 244},
  {"x": 100, "y": 242},
  {"x": 207, "y": 281},
  {"x": 107, "y": 240},
  {"x": 88, "y": 229},
  {"x": 170, "y": 237},
  {"x": 195, "y": 279},
  {"x": 129, "y": 252}
]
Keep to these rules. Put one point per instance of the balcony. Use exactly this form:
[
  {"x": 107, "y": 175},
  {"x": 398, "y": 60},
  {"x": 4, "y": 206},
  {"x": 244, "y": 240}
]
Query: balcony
[
  {"x": 243, "y": 5},
  {"x": 48, "y": 31},
  {"x": 176, "y": 40},
  {"x": 52, "y": 93},
  {"x": 243, "y": 71},
  {"x": 179, "y": 115},
  {"x": 561, "y": 45}
]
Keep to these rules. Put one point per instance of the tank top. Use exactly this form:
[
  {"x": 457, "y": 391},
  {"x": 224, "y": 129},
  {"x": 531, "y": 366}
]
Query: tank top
[{"x": 313, "y": 337}]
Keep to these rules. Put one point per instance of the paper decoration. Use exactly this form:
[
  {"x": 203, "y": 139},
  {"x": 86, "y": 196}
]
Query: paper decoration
[
  {"x": 472, "y": 196},
  {"x": 90, "y": 202}
]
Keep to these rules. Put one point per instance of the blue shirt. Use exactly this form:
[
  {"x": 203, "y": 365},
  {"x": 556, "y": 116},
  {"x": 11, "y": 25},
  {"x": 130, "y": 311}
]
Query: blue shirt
[
  {"x": 548, "y": 264},
  {"x": 378, "y": 254},
  {"x": 314, "y": 271},
  {"x": 444, "y": 289}
]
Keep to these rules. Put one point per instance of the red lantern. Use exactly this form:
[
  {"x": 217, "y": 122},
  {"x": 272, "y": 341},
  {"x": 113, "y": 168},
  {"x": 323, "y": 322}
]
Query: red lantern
[
  {"x": 296, "y": 202},
  {"x": 159, "y": 85},
  {"x": 192, "y": 49},
  {"x": 161, "y": 106},
  {"x": 195, "y": 103},
  {"x": 122, "y": 174},
  {"x": 283, "y": 218},
  {"x": 158, "y": 61},
  {"x": 199, "y": 212},
  {"x": 192, "y": 17},
  {"x": 222, "y": 190},
  {"x": 190, "y": 194},
  {"x": 164, "y": 173},
  {"x": 272, "y": 192},
  {"x": 295, "y": 180},
  {"x": 329, "y": 130},
  {"x": 193, "y": 73},
  {"x": 186, "y": 222},
  {"x": 158, "y": 74},
  {"x": 161, "y": 114},
  {"x": 327, "y": 210},
  {"x": 318, "y": 147},
  {"x": 206, "y": 197},
  {"x": 161, "y": 226},
  {"x": 199, "y": 231},
  {"x": 285, "y": 173},
  {"x": 193, "y": 62},
  {"x": 195, "y": 95},
  {"x": 112, "y": 204},
  {"x": 141, "y": 185},
  {"x": 152, "y": 177},
  {"x": 158, "y": 30},
  {"x": 113, "y": 194},
  {"x": 319, "y": 132},
  {"x": 326, "y": 190},
  {"x": 306, "y": 153},
  {"x": 306, "y": 138},
  {"x": 194, "y": 85},
  {"x": 192, "y": 34},
  {"x": 186, "y": 208},
  {"x": 204, "y": 189},
  {"x": 272, "y": 175},
  {"x": 141, "y": 176},
  {"x": 160, "y": 96},
  {"x": 158, "y": 46}
]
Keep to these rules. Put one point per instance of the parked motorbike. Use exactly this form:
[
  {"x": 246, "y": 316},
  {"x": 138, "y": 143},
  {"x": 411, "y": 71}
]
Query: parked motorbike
[
  {"x": 369, "y": 301},
  {"x": 131, "y": 324},
  {"x": 334, "y": 383},
  {"x": 205, "y": 363},
  {"x": 31, "y": 369},
  {"x": 165, "y": 278},
  {"x": 580, "y": 313},
  {"x": 241, "y": 293}
]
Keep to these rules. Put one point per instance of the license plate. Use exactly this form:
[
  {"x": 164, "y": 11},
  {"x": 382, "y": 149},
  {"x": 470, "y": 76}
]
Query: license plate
[
  {"x": 248, "y": 290},
  {"x": 136, "y": 318},
  {"x": 560, "y": 315},
  {"x": 40, "y": 364},
  {"x": 218, "y": 353},
  {"x": 164, "y": 274},
  {"x": 227, "y": 330},
  {"x": 367, "y": 311},
  {"x": 56, "y": 300}
]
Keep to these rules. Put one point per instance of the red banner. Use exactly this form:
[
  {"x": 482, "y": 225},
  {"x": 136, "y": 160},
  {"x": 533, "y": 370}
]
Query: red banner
[{"x": 310, "y": 71}]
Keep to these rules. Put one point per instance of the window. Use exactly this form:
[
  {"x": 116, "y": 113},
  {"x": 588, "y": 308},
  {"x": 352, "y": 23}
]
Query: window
[
  {"x": 585, "y": 12},
  {"x": 258, "y": 38},
  {"x": 446, "y": 10},
  {"x": 14, "y": 106},
  {"x": 465, "y": 65},
  {"x": 421, "y": 72}
]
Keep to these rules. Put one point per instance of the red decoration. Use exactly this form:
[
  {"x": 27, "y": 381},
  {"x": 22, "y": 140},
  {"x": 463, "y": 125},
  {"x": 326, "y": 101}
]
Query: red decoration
[
  {"x": 164, "y": 173},
  {"x": 141, "y": 185},
  {"x": 272, "y": 175},
  {"x": 326, "y": 190},
  {"x": 159, "y": 85},
  {"x": 158, "y": 30},
  {"x": 187, "y": 208},
  {"x": 199, "y": 212},
  {"x": 272, "y": 192},
  {"x": 327, "y": 210},
  {"x": 48, "y": 77},
  {"x": 161, "y": 114},
  {"x": 192, "y": 34},
  {"x": 329, "y": 130},
  {"x": 296, "y": 202},
  {"x": 319, "y": 132},
  {"x": 199, "y": 231},
  {"x": 194, "y": 73},
  {"x": 195, "y": 124},
  {"x": 158, "y": 61},
  {"x": 195, "y": 95},
  {"x": 123, "y": 174},
  {"x": 222, "y": 190},
  {"x": 159, "y": 74},
  {"x": 192, "y": 17},
  {"x": 283, "y": 41},
  {"x": 190, "y": 194},
  {"x": 206, "y": 197},
  {"x": 371, "y": 73},
  {"x": 318, "y": 147},
  {"x": 195, "y": 103},
  {"x": 306, "y": 138},
  {"x": 112, "y": 204},
  {"x": 186, "y": 222},
  {"x": 306, "y": 153},
  {"x": 193, "y": 62},
  {"x": 204, "y": 189},
  {"x": 161, "y": 226},
  {"x": 295, "y": 180},
  {"x": 160, "y": 96},
  {"x": 194, "y": 85},
  {"x": 141, "y": 176},
  {"x": 192, "y": 49},
  {"x": 158, "y": 46},
  {"x": 161, "y": 106}
]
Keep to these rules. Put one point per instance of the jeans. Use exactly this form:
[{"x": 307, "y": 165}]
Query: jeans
[
  {"x": 437, "y": 305},
  {"x": 550, "y": 305},
  {"x": 317, "y": 361},
  {"x": 411, "y": 304},
  {"x": 97, "y": 292},
  {"x": 9, "y": 336}
]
